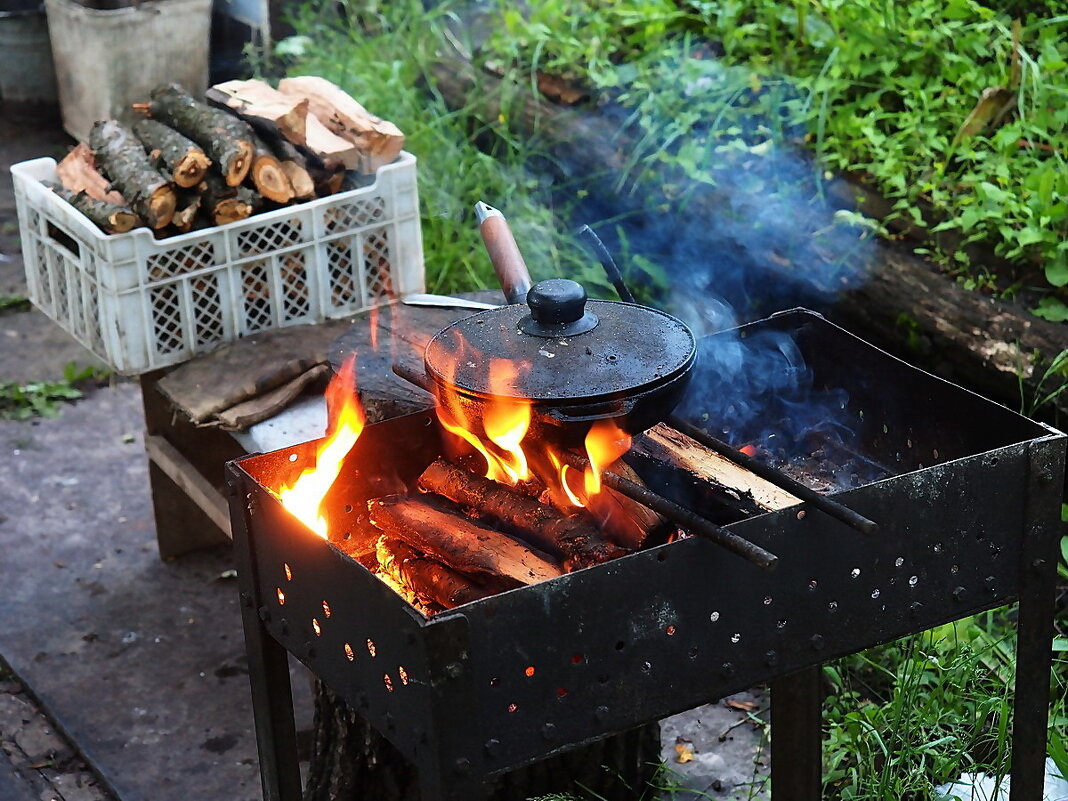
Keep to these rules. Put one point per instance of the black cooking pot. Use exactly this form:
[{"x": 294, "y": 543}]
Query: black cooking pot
[{"x": 577, "y": 361}]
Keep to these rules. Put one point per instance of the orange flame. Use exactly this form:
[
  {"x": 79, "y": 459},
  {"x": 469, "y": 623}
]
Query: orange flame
[
  {"x": 605, "y": 443},
  {"x": 304, "y": 497},
  {"x": 506, "y": 421},
  {"x": 748, "y": 450}
]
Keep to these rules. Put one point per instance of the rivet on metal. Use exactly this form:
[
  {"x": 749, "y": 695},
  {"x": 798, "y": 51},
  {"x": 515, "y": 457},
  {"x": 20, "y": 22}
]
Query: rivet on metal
[
  {"x": 771, "y": 658},
  {"x": 454, "y": 670},
  {"x": 265, "y": 614},
  {"x": 492, "y": 746},
  {"x": 600, "y": 712},
  {"x": 726, "y": 668},
  {"x": 548, "y": 731},
  {"x": 816, "y": 641},
  {"x": 958, "y": 593},
  {"x": 463, "y": 766}
]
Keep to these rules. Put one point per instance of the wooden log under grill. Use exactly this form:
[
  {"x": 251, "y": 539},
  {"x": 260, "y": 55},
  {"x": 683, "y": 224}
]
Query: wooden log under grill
[
  {"x": 572, "y": 537},
  {"x": 109, "y": 217},
  {"x": 436, "y": 527},
  {"x": 123, "y": 159},
  {"x": 428, "y": 579},
  {"x": 183, "y": 157},
  {"x": 224, "y": 137}
]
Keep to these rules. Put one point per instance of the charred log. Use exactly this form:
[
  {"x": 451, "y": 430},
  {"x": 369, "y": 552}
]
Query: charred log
[
  {"x": 573, "y": 538},
  {"x": 429, "y": 580},
  {"x": 436, "y": 527}
]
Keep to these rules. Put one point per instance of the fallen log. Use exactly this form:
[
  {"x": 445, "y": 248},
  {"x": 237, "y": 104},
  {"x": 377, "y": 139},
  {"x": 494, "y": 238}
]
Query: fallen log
[
  {"x": 573, "y": 538},
  {"x": 379, "y": 141},
  {"x": 261, "y": 105},
  {"x": 182, "y": 157},
  {"x": 429, "y": 580},
  {"x": 224, "y": 137},
  {"x": 123, "y": 159},
  {"x": 78, "y": 172},
  {"x": 904, "y": 304},
  {"x": 109, "y": 217},
  {"x": 436, "y": 527}
]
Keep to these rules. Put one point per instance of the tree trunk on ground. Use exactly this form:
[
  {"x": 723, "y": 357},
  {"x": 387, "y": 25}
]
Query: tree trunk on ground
[
  {"x": 353, "y": 762},
  {"x": 902, "y": 304}
]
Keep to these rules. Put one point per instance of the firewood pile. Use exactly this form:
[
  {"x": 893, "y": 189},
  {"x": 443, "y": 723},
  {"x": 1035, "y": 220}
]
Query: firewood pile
[{"x": 247, "y": 148}]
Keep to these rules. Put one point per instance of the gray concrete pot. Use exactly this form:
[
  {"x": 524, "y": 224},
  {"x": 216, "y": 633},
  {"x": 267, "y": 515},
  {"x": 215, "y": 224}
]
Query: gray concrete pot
[{"x": 27, "y": 75}]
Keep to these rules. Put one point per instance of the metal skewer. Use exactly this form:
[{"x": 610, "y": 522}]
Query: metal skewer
[
  {"x": 609, "y": 264},
  {"x": 776, "y": 477}
]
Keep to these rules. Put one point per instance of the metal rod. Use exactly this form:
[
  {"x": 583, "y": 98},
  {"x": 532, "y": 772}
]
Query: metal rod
[
  {"x": 776, "y": 477},
  {"x": 680, "y": 515},
  {"x": 609, "y": 264}
]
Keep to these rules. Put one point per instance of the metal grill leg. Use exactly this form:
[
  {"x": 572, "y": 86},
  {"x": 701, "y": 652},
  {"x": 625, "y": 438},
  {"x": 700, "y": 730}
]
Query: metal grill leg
[{"x": 796, "y": 736}]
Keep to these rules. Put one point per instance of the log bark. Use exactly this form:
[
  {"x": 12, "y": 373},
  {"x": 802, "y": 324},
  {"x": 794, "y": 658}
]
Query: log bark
[
  {"x": 124, "y": 161},
  {"x": 429, "y": 580},
  {"x": 109, "y": 217},
  {"x": 435, "y": 527},
  {"x": 573, "y": 538},
  {"x": 222, "y": 203},
  {"x": 78, "y": 172},
  {"x": 183, "y": 158},
  {"x": 267, "y": 174},
  {"x": 379, "y": 141},
  {"x": 224, "y": 137},
  {"x": 261, "y": 105}
]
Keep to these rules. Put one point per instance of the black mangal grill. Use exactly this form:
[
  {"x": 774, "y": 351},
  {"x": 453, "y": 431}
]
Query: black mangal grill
[{"x": 968, "y": 519}]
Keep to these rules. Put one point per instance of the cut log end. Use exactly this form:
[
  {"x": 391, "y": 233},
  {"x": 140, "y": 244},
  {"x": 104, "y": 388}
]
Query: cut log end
[
  {"x": 271, "y": 180},
  {"x": 190, "y": 170},
  {"x": 231, "y": 210},
  {"x": 162, "y": 204},
  {"x": 302, "y": 183},
  {"x": 238, "y": 167}
]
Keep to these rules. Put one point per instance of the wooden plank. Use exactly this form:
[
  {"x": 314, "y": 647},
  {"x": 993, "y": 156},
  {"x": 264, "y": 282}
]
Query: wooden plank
[{"x": 179, "y": 470}]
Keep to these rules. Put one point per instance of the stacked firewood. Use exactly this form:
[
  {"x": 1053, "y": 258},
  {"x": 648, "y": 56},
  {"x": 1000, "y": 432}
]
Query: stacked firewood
[{"x": 251, "y": 148}]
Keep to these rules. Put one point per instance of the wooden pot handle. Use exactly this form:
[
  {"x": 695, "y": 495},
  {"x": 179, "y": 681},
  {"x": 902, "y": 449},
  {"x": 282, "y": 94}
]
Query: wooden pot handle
[{"x": 504, "y": 253}]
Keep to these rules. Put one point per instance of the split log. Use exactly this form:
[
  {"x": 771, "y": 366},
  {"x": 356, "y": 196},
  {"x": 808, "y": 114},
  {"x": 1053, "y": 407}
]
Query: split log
[
  {"x": 299, "y": 179},
  {"x": 78, "y": 172},
  {"x": 435, "y": 526},
  {"x": 330, "y": 147},
  {"x": 379, "y": 141},
  {"x": 125, "y": 162},
  {"x": 573, "y": 538},
  {"x": 182, "y": 157},
  {"x": 718, "y": 479},
  {"x": 109, "y": 217},
  {"x": 224, "y": 137},
  {"x": 261, "y": 105},
  {"x": 623, "y": 520},
  {"x": 429, "y": 580},
  {"x": 223, "y": 203},
  {"x": 267, "y": 174}
]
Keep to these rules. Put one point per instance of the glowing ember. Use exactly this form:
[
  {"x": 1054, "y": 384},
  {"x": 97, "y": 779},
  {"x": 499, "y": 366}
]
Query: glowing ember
[
  {"x": 304, "y": 497},
  {"x": 748, "y": 450}
]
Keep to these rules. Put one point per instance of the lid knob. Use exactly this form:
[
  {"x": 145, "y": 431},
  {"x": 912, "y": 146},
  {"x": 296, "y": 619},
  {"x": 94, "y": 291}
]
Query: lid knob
[{"x": 557, "y": 309}]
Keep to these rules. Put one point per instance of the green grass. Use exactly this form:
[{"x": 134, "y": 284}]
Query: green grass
[{"x": 29, "y": 400}]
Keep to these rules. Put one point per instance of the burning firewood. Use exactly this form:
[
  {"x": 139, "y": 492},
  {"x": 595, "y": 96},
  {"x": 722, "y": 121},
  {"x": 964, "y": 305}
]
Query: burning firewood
[
  {"x": 78, "y": 172},
  {"x": 224, "y": 137},
  {"x": 123, "y": 159},
  {"x": 109, "y": 217},
  {"x": 429, "y": 580},
  {"x": 573, "y": 538},
  {"x": 184, "y": 159},
  {"x": 436, "y": 527}
]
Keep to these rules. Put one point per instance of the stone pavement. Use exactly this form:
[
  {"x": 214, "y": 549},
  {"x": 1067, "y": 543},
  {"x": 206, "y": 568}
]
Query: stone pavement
[{"x": 129, "y": 678}]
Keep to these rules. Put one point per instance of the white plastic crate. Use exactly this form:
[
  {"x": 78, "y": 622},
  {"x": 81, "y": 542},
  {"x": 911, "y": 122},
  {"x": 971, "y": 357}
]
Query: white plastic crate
[{"x": 141, "y": 304}]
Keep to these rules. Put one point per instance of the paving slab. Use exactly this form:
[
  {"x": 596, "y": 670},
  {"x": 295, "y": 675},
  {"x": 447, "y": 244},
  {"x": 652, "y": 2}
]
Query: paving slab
[{"x": 139, "y": 662}]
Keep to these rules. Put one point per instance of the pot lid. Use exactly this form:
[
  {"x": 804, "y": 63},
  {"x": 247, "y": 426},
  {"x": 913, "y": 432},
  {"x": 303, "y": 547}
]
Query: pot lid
[{"x": 565, "y": 347}]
